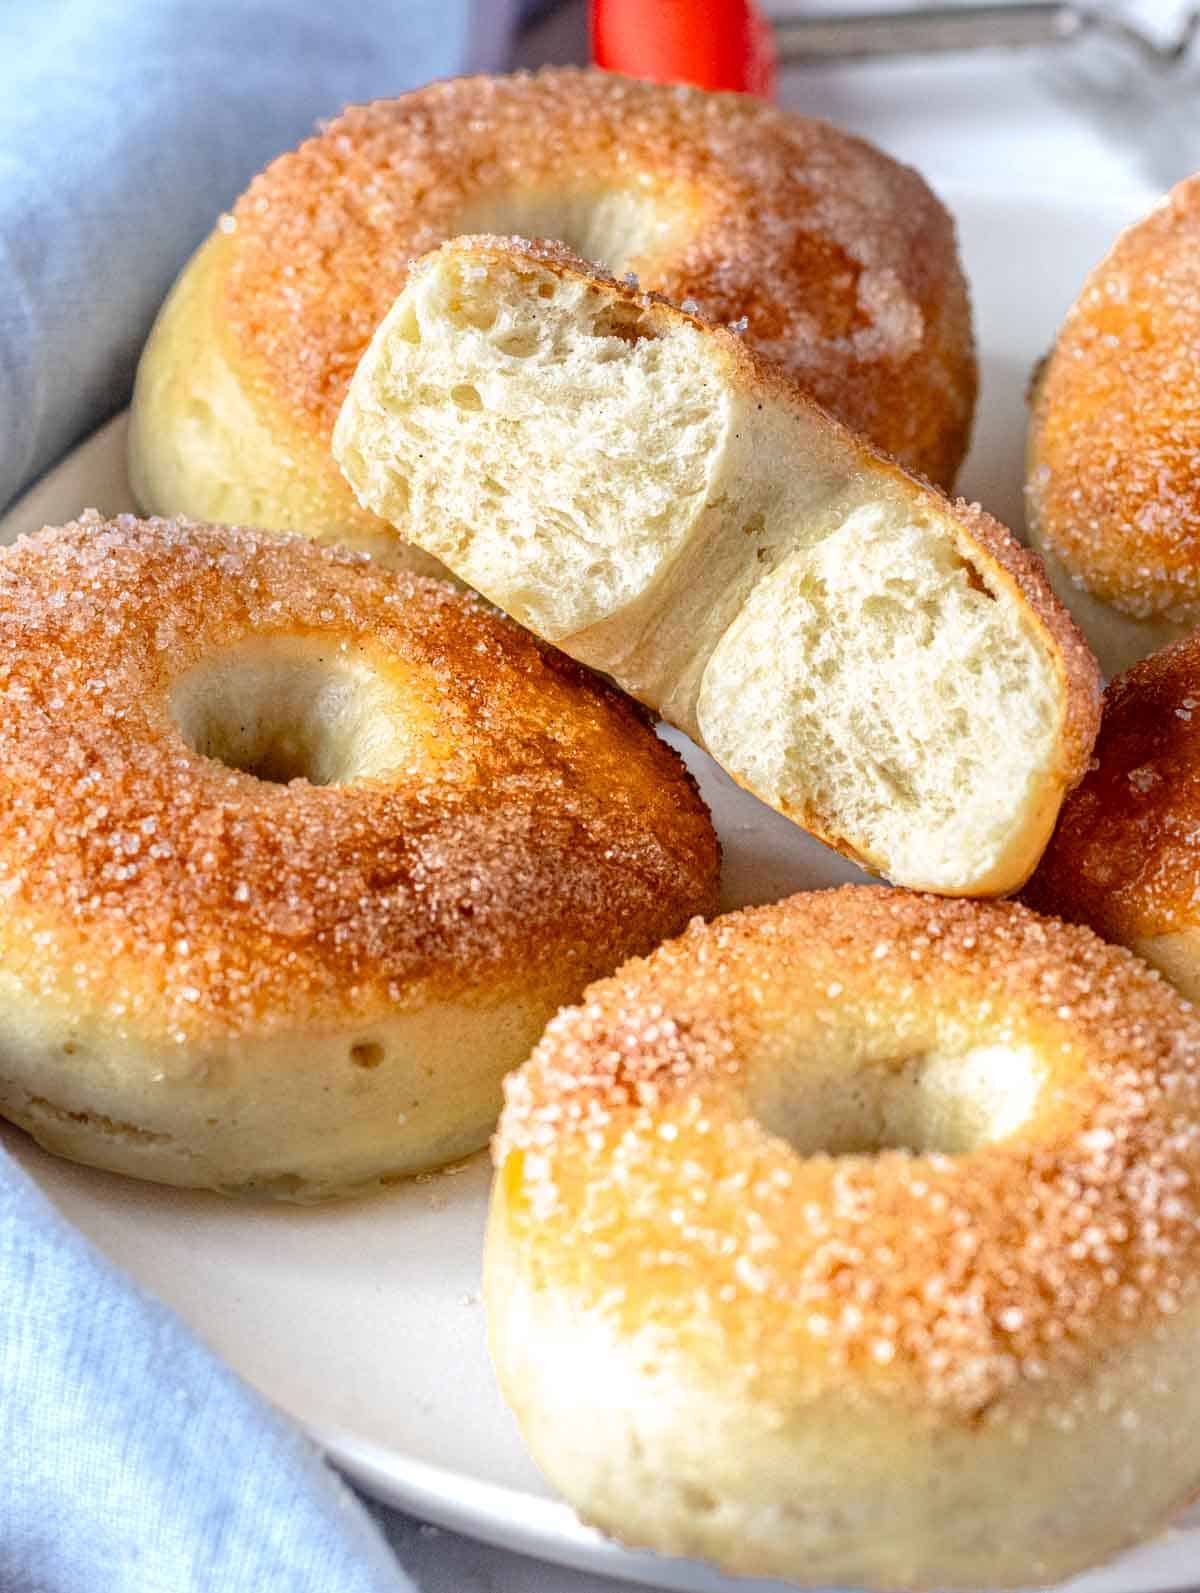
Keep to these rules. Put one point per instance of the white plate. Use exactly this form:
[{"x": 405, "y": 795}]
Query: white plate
[{"x": 363, "y": 1320}]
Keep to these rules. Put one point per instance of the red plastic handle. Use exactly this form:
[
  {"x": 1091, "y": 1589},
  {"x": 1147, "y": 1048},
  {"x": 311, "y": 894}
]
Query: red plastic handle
[{"x": 716, "y": 44}]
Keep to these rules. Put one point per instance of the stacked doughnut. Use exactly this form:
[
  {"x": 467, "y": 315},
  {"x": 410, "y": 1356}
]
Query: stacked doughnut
[
  {"x": 885, "y": 667},
  {"x": 852, "y": 1239}
]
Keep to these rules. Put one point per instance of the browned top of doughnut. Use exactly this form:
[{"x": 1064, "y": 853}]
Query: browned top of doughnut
[
  {"x": 547, "y": 827},
  {"x": 1115, "y": 447},
  {"x": 842, "y": 261},
  {"x": 1124, "y": 857},
  {"x": 636, "y": 1173}
]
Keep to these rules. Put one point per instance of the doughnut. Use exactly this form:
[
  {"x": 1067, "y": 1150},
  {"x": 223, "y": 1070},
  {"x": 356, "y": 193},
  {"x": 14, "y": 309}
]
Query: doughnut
[
  {"x": 299, "y": 854},
  {"x": 855, "y": 1240},
  {"x": 1113, "y": 490},
  {"x": 842, "y": 263},
  {"x": 1123, "y": 859},
  {"x": 641, "y": 488}
]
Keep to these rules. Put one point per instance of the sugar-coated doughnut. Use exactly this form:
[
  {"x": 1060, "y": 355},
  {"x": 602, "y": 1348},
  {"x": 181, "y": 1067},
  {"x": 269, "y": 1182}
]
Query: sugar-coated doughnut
[
  {"x": 885, "y": 667},
  {"x": 1114, "y": 492},
  {"x": 298, "y": 855},
  {"x": 1124, "y": 858},
  {"x": 856, "y": 1240},
  {"x": 842, "y": 263}
]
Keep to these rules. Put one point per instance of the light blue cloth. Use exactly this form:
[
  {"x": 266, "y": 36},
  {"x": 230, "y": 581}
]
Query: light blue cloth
[
  {"x": 126, "y": 128},
  {"x": 131, "y": 1460}
]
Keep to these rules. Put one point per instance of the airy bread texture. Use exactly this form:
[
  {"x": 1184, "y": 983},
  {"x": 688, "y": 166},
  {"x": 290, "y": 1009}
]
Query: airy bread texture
[
  {"x": 1113, "y": 488},
  {"x": 855, "y": 1240},
  {"x": 843, "y": 262},
  {"x": 1123, "y": 859},
  {"x": 298, "y": 855},
  {"x": 632, "y": 483}
]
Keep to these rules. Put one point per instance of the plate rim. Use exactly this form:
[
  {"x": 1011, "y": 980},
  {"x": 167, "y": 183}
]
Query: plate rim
[{"x": 548, "y": 1529}]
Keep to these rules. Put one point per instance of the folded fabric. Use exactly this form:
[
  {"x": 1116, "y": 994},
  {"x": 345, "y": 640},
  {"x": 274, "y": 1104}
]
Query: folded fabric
[
  {"x": 125, "y": 129},
  {"x": 131, "y": 1460}
]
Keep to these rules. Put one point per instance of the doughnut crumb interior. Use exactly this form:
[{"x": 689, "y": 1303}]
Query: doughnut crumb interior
[
  {"x": 855, "y": 1241},
  {"x": 299, "y": 854},
  {"x": 633, "y": 483}
]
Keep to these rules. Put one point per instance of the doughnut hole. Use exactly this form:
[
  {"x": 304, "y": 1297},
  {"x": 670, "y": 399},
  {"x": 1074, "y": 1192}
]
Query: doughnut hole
[
  {"x": 615, "y": 227},
  {"x": 283, "y": 708},
  {"x": 975, "y": 1370},
  {"x": 930, "y": 1103}
]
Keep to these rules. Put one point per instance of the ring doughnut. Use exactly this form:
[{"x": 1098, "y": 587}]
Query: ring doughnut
[
  {"x": 1123, "y": 858},
  {"x": 842, "y": 263},
  {"x": 298, "y": 855},
  {"x": 854, "y": 1240},
  {"x": 1113, "y": 492}
]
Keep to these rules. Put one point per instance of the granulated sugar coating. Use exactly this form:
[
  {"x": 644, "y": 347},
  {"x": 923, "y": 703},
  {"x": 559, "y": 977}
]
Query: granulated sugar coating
[
  {"x": 841, "y": 263},
  {"x": 1115, "y": 457},
  {"x": 1126, "y": 855},
  {"x": 1013, "y": 1111},
  {"x": 506, "y": 820}
]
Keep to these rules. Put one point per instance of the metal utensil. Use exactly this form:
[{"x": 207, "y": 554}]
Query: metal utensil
[{"x": 936, "y": 30}]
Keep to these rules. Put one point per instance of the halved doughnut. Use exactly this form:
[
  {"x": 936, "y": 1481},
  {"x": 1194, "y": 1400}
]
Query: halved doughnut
[{"x": 887, "y": 668}]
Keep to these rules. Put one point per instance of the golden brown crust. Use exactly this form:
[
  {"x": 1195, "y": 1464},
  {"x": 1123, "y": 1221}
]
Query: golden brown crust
[
  {"x": 543, "y": 825},
  {"x": 842, "y": 262},
  {"x": 638, "y": 1182},
  {"x": 1113, "y": 480},
  {"x": 1123, "y": 858}
]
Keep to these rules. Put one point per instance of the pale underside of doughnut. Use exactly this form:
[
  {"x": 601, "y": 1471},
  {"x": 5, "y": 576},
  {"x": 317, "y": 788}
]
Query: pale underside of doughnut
[
  {"x": 855, "y": 1241},
  {"x": 886, "y": 668},
  {"x": 1113, "y": 495},
  {"x": 298, "y": 855},
  {"x": 208, "y": 441},
  {"x": 843, "y": 262}
]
